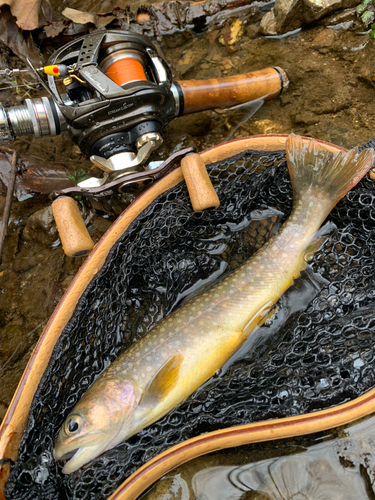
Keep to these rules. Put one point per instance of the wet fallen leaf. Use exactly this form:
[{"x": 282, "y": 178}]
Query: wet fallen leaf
[
  {"x": 79, "y": 17},
  {"x": 55, "y": 28},
  {"x": 38, "y": 177},
  {"x": 29, "y": 12},
  {"x": 34, "y": 177},
  {"x": 173, "y": 15},
  {"x": 5, "y": 165},
  {"x": 20, "y": 42}
]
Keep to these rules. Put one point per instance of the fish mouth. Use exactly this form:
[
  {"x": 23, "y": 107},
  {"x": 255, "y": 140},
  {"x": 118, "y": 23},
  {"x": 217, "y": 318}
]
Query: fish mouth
[
  {"x": 77, "y": 457},
  {"x": 66, "y": 456}
]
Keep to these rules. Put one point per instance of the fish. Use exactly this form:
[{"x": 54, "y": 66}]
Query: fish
[{"x": 192, "y": 343}]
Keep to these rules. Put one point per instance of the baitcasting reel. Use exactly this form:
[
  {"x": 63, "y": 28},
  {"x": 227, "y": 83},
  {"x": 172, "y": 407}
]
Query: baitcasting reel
[
  {"x": 117, "y": 96},
  {"x": 113, "y": 93}
]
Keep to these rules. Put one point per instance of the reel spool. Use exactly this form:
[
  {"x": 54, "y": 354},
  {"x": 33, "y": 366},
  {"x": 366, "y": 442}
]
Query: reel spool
[{"x": 123, "y": 65}]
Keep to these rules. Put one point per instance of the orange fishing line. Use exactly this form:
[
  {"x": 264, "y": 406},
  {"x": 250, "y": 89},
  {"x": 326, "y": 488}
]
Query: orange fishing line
[{"x": 125, "y": 70}]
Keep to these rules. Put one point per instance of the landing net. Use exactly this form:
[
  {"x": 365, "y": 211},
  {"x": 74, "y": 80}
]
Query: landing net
[{"x": 321, "y": 356}]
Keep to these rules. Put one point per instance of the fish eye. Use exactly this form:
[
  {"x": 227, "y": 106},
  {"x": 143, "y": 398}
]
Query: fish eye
[{"x": 72, "y": 425}]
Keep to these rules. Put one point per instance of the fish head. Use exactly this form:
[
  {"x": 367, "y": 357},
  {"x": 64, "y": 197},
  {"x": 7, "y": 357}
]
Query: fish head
[{"x": 96, "y": 424}]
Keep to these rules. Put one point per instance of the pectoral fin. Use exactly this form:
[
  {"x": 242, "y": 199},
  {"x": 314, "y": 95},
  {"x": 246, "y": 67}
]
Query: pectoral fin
[{"x": 162, "y": 382}]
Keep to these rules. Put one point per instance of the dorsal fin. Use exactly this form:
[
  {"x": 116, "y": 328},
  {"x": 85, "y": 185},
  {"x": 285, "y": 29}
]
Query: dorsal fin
[{"x": 162, "y": 382}]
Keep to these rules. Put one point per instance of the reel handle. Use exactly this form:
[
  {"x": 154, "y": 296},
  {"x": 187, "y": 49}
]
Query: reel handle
[
  {"x": 75, "y": 238},
  {"x": 201, "y": 95},
  {"x": 201, "y": 191}
]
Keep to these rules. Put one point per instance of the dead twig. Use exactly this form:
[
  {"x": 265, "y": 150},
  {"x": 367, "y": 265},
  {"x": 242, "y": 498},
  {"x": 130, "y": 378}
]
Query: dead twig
[{"x": 8, "y": 200}]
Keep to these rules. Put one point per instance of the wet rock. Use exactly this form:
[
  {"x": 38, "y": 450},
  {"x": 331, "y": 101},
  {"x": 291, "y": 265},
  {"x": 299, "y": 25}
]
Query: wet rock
[
  {"x": 30, "y": 257},
  {"x": 189, "y": 60},
  {"x": 98, "y": 226},
  {"x": 305, "y": 118},
  {"x": 232, "y": 34},
  {"x": 195, "y": 124},
  {"x": 268, "y": 24},
  {"x": 8, "y": 294},
  {"x": 268, "y": 127},
  {"x": 176, "y": 39},
  {"x": 226, "y": 65},
  {"x": 3, "y": 410},
  {"x": 169, "y": 488},
  {"x": 324, "y": 39},
  {"x": 39, "y": 287},
  {"x": 341, "y": 19},
  {"x": 252, "y": 31},
  {"x": 12, "y": 346},
  {"x": 290, "y": 15},
  {"x": 41, "y": 227}
]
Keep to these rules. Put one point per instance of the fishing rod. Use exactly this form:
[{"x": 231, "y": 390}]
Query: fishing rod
[{"x": 113, "y": 94}]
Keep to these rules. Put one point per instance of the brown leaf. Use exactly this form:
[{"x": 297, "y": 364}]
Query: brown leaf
[
  {"x": 54, "y": 29},
  {"x": 26, "y": 12},
  {"x": 39, "y": 177},
  {"x": 46, "y": 13},
  {"x": 20, "y": 42},
  {"x": 35, "y": 176},
  {"x": 79, "y": 17}
]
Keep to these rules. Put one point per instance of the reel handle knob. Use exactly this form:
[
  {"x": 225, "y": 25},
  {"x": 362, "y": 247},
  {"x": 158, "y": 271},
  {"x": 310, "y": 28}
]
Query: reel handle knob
[
  {"x": 201, "y": 191},
  {"x": 75, "y": 238}
]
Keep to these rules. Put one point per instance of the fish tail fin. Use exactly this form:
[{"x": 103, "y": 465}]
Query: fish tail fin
[{"x": 313, "y": 168}]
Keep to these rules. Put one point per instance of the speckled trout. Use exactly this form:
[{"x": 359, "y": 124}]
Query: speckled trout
[{"x": 191, "y": 344}]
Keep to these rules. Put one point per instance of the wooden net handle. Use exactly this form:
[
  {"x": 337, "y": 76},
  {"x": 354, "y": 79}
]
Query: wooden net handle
[
  {"x": 201, "y": 191},
  {"x": 74, "y": 236}
]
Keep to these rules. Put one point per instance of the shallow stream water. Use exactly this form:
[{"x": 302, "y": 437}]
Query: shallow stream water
[
  {"x": 335, "y": 465},
  {"x": 330, "y": 97}
]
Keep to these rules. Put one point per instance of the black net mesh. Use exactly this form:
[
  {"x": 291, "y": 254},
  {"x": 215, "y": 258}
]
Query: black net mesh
[{"x": 320, "y": 356}]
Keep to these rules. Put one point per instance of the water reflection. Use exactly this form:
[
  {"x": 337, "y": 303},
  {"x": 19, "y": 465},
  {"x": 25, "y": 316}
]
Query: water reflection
[
  {"x": 306, "y": 476},
  {"x": 335, "y": 465}
]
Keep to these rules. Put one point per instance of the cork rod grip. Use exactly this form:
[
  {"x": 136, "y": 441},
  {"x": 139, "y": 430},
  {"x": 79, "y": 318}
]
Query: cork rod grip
[
  {"x": 74, "y": 236},
  {"x": 201, "y": 191},
  {"x": 200, "y": 95}
]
